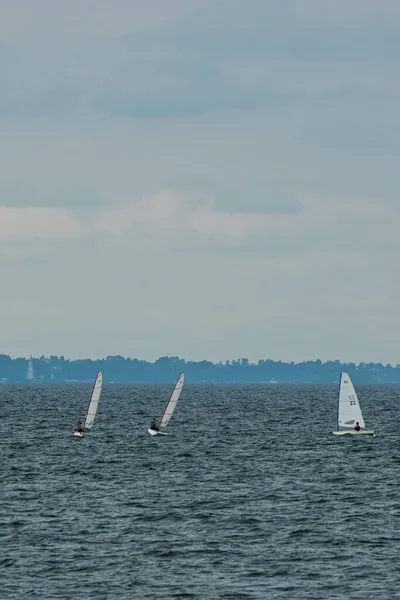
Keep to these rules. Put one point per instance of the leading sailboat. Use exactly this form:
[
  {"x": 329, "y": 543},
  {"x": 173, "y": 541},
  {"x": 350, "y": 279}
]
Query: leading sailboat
[
  {"x": 169, "y": 409},
  {"x": 92, "y": 406},
  {"x": 350, "y": 418}
]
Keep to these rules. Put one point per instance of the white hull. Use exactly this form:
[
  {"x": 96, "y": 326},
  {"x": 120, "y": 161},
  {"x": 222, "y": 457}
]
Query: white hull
[
  {"x": 354, "y": 432},
  {"x": 78, "y": 433},
  {"x": 153, "y": 432}
]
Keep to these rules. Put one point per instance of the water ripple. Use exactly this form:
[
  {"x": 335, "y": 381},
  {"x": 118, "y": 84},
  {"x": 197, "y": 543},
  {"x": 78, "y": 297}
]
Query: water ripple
[{"x": 249, "y": 497}]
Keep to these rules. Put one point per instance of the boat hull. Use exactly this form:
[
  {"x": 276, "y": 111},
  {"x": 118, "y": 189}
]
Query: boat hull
[
  {"x": 354, "y": 432},
  {"x": 78, "y": 433},
  {"x": 153, "y": 432}
]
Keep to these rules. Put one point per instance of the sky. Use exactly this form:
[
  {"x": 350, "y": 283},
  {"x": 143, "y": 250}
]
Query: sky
[{"x": 210, "y": 179}]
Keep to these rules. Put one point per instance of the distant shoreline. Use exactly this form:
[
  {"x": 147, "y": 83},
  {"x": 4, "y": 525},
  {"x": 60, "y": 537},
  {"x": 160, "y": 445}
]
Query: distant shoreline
[{"x": 121, "y": 370}]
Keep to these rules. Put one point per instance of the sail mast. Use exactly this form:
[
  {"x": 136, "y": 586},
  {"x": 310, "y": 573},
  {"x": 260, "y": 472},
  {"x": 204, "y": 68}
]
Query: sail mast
[{"x": 338, "y": 401}]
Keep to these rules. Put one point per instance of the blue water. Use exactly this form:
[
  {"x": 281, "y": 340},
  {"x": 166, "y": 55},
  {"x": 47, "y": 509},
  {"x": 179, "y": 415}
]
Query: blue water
[{"x": 249, "y": 497}]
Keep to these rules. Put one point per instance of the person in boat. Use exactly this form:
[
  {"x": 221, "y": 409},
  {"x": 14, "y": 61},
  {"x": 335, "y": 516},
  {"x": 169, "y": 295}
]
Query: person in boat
[
  {"x": 154, "y": 425},
  {"x": 357, "y": 426},
  {"x": 78, "y": 427}
]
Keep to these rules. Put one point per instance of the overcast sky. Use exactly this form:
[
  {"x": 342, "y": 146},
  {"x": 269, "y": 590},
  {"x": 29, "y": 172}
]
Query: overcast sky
[{"x": 205, "y": 178}]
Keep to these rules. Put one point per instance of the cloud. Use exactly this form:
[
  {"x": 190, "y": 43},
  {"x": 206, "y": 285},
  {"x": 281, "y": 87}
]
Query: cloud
[
  {"x": 145, "y": 62},
  {"x": 26, "y": 224},
  {"x": 338, "y": 228},
  {"x": 252, "y": 147},
  {"x": 183, "y": 216},
  {"x": 154, "y": 212}
]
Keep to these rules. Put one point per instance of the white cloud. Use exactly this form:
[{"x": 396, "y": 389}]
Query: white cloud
[
  {"x": 152, "y": 211},
  {"x": 336, "y": 230},
  {"x": 25, "y": 224},
  {"x": 184, "y": 215}
]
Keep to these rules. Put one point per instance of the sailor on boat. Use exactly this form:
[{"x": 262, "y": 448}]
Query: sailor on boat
[
  {"x": 357, "y": 426},
  {"x": 154, "y": 425},
  {"x": 78, "y": 427}
]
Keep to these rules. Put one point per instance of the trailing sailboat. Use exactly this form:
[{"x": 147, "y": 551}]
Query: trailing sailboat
[
  {"x": 350, "y": 418},
  {"x": 92, "y": 407},
  {"x": 155, "y": 429}
]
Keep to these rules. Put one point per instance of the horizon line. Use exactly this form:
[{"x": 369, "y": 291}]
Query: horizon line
[{"x": 221, "y": 361}]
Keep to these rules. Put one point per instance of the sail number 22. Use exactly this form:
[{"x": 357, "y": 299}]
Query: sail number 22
[{"x": 352, "y": 400}]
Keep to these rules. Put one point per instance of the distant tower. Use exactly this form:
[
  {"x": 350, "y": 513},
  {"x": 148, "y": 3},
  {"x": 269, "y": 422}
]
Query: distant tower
[{"x": 31, "y": 373}]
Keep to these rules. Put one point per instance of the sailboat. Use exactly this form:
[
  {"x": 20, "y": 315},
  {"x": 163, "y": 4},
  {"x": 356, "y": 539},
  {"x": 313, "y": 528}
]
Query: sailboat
[
  {"x": 93, "y": 405},
  {"x": 349, "y": 410},
  {"x": 170, "y": 407}
]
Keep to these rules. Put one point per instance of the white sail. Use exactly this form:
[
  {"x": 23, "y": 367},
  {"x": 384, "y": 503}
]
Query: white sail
[
  {"x": 169, "y": 409},
  {"x": 94, "y": 401},
  {"x": 349, "y": 408}
]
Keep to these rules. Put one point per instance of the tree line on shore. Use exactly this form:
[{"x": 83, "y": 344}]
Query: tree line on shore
[{"x": 118, "y": 369}]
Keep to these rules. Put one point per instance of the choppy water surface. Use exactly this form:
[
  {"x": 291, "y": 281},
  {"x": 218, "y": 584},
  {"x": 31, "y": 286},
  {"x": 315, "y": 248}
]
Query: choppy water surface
[{"x": 249, "y": 497}]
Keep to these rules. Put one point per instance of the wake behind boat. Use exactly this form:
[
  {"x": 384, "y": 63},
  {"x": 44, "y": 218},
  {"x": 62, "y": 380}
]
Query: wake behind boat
[
  {"x": 92, "y": 407},
  {"x": 169, "y": 409},
  {"x": 350, "y": 418}
]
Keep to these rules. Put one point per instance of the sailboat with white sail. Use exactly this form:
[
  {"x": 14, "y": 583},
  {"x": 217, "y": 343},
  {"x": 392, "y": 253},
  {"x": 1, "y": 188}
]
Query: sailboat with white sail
[
  {"x": 169, "y": 408},
  {"x": 92, "y": 406},
  {"x": 350, "y": 418}
]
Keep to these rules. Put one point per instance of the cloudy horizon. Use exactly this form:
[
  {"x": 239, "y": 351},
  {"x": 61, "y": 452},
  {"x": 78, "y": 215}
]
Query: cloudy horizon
[{"x": 214, "y": 181}]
